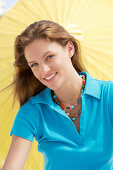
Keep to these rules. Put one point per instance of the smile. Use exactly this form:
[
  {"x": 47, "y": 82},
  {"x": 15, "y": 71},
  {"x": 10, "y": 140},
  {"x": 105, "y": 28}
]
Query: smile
[{"x": 50, "y": 77}]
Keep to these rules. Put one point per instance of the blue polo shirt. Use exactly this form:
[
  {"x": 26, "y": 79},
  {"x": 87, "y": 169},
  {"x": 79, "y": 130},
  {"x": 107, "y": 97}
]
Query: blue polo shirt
[{"x": 63, "y": 148}]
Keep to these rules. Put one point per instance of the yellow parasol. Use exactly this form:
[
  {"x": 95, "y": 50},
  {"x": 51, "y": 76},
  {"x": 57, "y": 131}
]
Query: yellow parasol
[{"x": 89, "y": 21}]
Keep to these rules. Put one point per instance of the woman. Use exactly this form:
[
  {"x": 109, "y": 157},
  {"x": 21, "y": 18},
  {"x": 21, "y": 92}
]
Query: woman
[{"x": 68, "y": 112}]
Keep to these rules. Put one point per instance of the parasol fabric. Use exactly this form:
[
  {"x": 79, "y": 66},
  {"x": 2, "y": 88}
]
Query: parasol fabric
[{"x": 91, "y": 22}]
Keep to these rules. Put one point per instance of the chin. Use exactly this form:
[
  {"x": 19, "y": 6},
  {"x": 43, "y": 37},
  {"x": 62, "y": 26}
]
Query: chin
[
  {"x": 55, "y": 88},
  {"x": 52, "y": 88}
]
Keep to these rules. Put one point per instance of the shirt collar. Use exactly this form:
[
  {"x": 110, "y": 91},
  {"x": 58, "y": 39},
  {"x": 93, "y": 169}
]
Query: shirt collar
[{"x": 92, "y": 88}]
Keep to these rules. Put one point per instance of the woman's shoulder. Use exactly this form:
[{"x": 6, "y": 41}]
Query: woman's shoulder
[
  {"x": 105, "y": 85},
  {"x": 37, "y": 99},
  {"x": 27, "y": 106}
]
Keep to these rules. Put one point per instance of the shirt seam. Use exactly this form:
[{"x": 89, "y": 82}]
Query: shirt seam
[
  {"x": 39, "y": 123},
  {"x": 109, "y": 98}
]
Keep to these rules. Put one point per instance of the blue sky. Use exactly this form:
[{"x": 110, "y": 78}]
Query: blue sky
[{"x": 10, "y": 3}]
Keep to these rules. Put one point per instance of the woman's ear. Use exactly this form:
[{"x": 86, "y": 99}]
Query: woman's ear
[{"x": 70, "y": 48}]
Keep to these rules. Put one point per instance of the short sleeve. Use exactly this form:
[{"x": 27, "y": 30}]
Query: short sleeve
[
  {"x": 26, "y": 123},
  {"x": 110, "y": 100}
]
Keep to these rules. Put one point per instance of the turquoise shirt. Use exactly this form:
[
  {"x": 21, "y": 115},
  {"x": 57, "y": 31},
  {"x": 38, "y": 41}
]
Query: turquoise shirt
[{"x": 63, "y": 148}]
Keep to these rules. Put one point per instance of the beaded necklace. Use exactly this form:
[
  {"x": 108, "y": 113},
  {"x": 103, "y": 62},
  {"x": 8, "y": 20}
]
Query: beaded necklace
[{"x": 69, "y": 107}]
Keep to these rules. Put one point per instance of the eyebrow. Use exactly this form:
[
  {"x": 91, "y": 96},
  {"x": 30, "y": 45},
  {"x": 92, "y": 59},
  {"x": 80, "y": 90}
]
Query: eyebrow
[{"x": 42, "y": 56}]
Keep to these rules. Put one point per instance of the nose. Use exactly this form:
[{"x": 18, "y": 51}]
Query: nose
[{"x": 44, "y": 69}]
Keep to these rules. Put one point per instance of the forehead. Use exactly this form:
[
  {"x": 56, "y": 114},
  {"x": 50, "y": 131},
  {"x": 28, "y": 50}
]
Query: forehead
[{"x": 40, "y": 47}]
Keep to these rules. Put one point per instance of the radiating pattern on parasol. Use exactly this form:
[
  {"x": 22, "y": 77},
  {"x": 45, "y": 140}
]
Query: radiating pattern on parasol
[{"x": 91, "y": 22}]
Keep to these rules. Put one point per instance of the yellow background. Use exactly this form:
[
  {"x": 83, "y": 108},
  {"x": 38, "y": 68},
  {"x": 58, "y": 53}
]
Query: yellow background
[{"x": 90, "y": 21}]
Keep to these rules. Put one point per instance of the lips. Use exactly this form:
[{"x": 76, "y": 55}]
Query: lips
[{"x": 50, "y": 77}]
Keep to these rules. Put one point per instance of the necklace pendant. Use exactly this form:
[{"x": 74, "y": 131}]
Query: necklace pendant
[
  {"x": 72, "y": 115},
  {"x": 67, "y": 107},
  {"x": 67, "y": 113},
  {"x": 62, "y": 107},
  {"x": 73, "y": 118}
]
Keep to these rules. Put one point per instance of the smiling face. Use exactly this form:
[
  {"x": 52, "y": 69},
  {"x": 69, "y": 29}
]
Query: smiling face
[{"x": 50, "y": 62}]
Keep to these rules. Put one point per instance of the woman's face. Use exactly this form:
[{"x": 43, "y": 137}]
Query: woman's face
[{"x": 50, "y": 62}]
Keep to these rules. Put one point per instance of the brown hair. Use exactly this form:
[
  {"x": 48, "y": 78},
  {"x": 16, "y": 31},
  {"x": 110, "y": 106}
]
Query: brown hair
[{"x": 25, "y": 83}]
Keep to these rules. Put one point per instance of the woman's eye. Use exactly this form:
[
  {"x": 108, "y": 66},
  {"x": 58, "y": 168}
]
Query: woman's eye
[
  {"x": 50, "y": 56},
  {"x": 34, "y": 64}
]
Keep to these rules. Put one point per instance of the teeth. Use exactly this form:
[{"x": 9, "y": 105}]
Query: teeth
[{"x": 48, "y": 78}]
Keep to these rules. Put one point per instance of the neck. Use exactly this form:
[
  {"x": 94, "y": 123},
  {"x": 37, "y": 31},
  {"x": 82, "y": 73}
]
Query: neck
[{"x": 71, "y": 91}]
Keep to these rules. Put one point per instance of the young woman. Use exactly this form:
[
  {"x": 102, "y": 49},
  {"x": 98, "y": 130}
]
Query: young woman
[{"x": 68, "y": 112}]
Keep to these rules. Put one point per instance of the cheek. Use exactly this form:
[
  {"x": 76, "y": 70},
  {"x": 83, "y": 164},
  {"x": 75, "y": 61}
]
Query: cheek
[
  {"x": 35, "y": 73},
  {"x": 62, "y": 64}
]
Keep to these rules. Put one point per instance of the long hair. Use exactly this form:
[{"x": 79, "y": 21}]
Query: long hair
[{"x": 25, "y": 83}]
